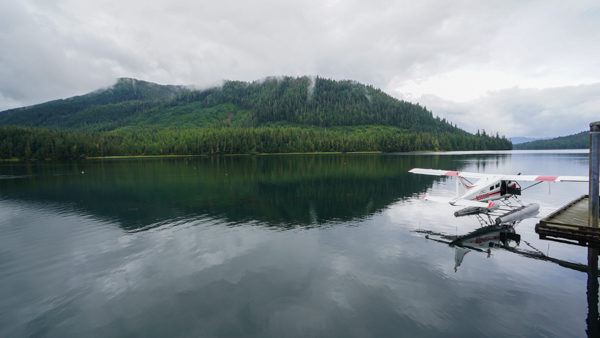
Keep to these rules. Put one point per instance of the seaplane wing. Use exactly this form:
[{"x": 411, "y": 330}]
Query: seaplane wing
[{"x": 528, "y": 178}]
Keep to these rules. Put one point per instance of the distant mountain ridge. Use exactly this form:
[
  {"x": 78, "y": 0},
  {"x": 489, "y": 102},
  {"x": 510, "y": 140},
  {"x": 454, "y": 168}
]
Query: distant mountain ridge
[
  {"x": 298, "y": 101},
  {"x": 575, "y": 141},
  {"x": 522, "y": 139},
  {"x": 85, "y": 111}
]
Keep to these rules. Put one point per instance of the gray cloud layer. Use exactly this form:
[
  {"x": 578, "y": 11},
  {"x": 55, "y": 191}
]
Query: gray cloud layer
[
  {"x": 467, "y": 60},
  {"x": 527, "y": 112}
]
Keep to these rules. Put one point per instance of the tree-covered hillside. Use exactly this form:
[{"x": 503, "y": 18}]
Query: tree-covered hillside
[
  {"x": 575, "y": 141},
  {"x": 299, "y": 101},
  {"x": 272, "y": 115}
]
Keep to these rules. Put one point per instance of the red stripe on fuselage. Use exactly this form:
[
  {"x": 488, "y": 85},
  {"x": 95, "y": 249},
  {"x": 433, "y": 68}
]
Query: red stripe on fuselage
[
  {"x": 546, "y": 178},
  {"x": 451, "y": 173},
  {"x": 480, "y": 197}
]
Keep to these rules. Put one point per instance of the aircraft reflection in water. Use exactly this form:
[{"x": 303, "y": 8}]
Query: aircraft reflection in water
[
  {"x": 504, "y": 237},
  {"x": 482, "y": 240}
]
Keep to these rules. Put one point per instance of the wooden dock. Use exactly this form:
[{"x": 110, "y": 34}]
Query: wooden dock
[{"x": 569, "y": 224}]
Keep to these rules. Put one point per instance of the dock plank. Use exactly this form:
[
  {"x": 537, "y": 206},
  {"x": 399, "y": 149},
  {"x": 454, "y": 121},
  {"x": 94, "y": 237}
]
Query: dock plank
[{"x": 570, "y": 223}]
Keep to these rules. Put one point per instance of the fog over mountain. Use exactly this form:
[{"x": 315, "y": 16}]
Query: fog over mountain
[{"x": 519, "y": 68}]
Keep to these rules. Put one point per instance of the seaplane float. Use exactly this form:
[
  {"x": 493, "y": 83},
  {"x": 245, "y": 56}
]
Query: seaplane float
[{"x": 493, "y": 198}]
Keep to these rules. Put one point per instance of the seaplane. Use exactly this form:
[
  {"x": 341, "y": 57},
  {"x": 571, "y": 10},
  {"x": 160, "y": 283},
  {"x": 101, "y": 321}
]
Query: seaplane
[{"x": 493, "y": 198}]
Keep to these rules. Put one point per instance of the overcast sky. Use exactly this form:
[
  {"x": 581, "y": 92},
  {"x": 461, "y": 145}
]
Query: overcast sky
[{"x": 522, "y": 68}]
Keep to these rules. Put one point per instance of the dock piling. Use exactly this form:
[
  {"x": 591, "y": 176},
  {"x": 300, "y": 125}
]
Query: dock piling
[{"x": 594, "y": 178}]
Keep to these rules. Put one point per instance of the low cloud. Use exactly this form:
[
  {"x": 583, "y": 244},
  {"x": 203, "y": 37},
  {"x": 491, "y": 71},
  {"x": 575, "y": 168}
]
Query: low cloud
[
  {"x": 524, "y": 112},
  {"x": 457, "y": 51}
]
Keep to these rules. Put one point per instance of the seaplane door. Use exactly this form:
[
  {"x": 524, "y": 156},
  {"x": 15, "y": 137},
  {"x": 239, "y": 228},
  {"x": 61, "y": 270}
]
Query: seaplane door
[{"x": 503, "y": 188}]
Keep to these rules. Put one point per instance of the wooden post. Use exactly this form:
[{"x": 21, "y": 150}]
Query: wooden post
[
  {"x": 593, "y": 209},
  {"x": 592, "y": 294},
  {"x": 593, "y": 214}
]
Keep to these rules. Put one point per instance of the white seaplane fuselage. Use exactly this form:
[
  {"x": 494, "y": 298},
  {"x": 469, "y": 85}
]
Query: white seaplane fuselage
[{"x": 488, "y": 189}]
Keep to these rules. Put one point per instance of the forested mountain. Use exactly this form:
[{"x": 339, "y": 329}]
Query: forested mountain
[
  {"x": 301, "y": 101},
  {"x": 575, "y": 141},
  {"x": 289, "y": 114}
]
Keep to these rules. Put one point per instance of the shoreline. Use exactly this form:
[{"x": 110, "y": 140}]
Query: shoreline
[
  {"x": 452, "y": 152},
  {"x": 123, "y": 157},
  {"x": 229, "y": 155}
]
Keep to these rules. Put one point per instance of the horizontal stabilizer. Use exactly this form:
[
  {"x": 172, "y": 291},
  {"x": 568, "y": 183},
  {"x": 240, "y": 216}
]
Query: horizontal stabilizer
[
  {"x": 471, "y": 211},
  {"x": 457, "y": 202}
]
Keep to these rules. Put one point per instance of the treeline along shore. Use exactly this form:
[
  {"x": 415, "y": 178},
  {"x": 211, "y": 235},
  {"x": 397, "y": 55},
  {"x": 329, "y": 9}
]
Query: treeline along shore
[{"x": 41, "y": 143}]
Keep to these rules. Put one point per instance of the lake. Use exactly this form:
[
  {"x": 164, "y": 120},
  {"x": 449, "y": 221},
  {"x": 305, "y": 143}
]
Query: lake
[{"x": 276, "y": 246}]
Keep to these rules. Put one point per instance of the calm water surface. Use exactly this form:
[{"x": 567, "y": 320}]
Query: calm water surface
[{"x": 275, "y": 246}]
